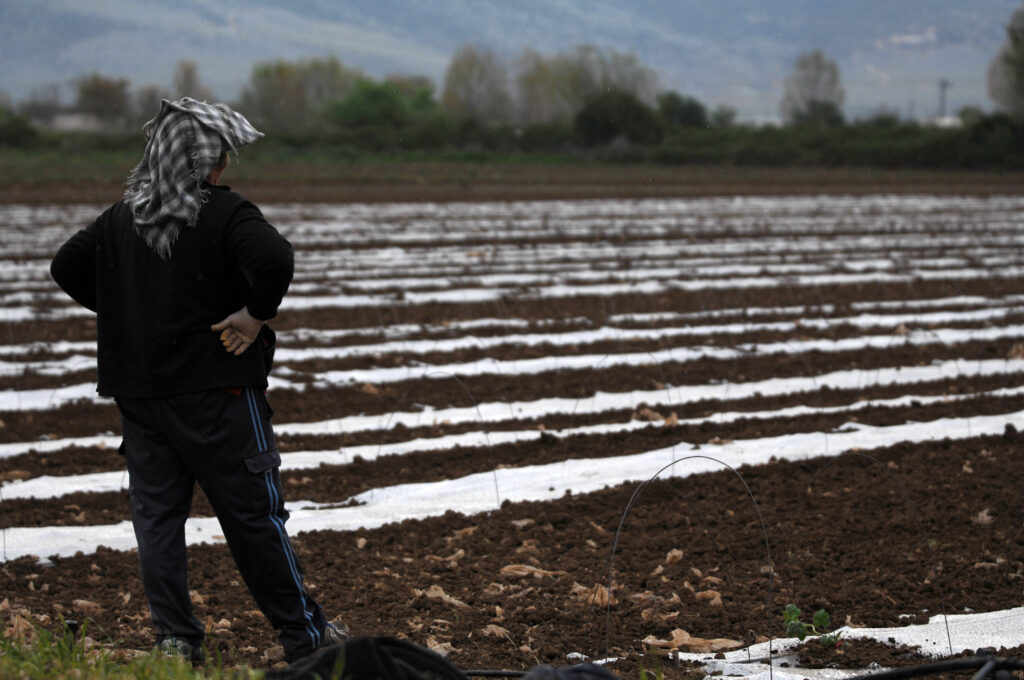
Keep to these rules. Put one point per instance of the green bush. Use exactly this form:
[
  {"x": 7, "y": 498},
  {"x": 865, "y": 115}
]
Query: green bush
[
  {"x": 380, "y": 118},
  {"x": 614, "y": 114},
  {"x": 677, "y": 110},
  {"x": 16, "y": 130},
  {"x": 877, "y": 143},
  {"x": 370, "y": 105},
  {"x": 550, "y": 137}
]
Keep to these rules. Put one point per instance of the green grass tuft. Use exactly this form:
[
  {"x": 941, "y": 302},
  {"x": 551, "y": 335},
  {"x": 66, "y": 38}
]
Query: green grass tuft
[{"x": 41, "y": 655}]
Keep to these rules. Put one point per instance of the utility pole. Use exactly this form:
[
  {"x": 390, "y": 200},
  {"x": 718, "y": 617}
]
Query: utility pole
[{"x": 943, "y": 86}]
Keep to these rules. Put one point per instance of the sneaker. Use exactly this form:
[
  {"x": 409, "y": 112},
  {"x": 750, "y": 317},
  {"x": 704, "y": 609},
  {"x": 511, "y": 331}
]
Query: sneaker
[
  {"x": 335, "y": 633},
  {"x": 174, "y": 646}
]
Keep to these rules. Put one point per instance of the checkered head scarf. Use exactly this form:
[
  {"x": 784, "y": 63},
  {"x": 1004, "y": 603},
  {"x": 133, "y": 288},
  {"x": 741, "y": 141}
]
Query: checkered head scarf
[{"x": 183, "y": 144}]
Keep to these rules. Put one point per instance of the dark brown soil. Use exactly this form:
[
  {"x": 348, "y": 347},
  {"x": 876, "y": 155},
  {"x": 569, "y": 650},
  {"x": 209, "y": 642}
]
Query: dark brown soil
[
  {"x": 850, "y": 543},
  {"x": 313, "y": 180},
  {"x": 82, "y": 419},
  {"x": 859, "y": 654},
  {"x": 305, "y": 371},
  {"x": 597, "y": 308},
  {"x": 337, "y": 483},
  {"x": 872, "y": 536}
]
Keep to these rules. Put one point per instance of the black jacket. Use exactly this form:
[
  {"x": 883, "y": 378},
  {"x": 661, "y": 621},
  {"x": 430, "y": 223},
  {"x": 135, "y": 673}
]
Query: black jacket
[{"x": 153, "y": 317}]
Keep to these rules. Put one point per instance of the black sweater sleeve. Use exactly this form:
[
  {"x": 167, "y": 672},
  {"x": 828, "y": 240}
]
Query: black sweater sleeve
[
  {"x": 74, "y": 266},
  {"x": 264, "y": 258}
]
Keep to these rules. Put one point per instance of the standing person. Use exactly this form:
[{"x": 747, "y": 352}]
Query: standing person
[{"x": 182, "y": 274}]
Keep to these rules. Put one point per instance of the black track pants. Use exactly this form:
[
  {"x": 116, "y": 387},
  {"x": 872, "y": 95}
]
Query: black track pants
[{"x": 225, "y": 442}]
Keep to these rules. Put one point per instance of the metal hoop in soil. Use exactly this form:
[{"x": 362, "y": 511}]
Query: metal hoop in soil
[{"x": 629, "y": 507}]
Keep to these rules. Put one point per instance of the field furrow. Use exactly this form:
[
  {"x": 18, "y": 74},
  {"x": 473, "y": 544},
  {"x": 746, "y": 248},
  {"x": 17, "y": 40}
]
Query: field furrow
[{"x": 829, "y": 390}]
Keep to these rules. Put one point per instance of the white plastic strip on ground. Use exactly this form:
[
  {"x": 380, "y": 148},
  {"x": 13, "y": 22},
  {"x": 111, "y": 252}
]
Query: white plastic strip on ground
[
  {"x": 368, "y": 270},
  {"x": 461, "y": 289},
  {"x": 603, "y": 261},
  {"x": 451, "y": 232},
  {"x": 882, "y": 213},
  {"x": 471, "y": 295},
  {"x": 814, "y": 235},
  {"x": 995, "y": 630},
  {"x": 10, "y": 314},
  {"x": 595, "y": 262},
  {"x": 398, "y": 277},
  {"x": 604, "y": 250},
  {"x": 603, "y": 334},
  {"x": 491, "y": 412},
  {"x": 55, "y": 397},
  {"x": 63, "y": 347},
  {"x": 48, "y": 486},
  {"x": 52, "y": 367},
  {"x": 992, "y": 308},
  {"x": 46, "y": 399},
  {"x": 486, "y": 491},
  {"x": 586, "y": 362},
  {"x": 673, "y": 395},
  {"x": 397, "y": 331}
]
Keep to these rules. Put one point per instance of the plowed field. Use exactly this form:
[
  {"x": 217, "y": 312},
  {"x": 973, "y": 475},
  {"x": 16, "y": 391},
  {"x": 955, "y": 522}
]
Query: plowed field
[{"x": 824, "y": 393}]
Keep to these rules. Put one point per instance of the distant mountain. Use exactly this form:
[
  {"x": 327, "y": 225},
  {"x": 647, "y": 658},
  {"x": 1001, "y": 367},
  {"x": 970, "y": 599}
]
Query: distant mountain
[{"x": 891, "y": 53}]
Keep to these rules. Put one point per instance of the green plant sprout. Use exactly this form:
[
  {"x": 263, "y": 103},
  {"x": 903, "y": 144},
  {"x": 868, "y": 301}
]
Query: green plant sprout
[{"x": 819, "y": 626}]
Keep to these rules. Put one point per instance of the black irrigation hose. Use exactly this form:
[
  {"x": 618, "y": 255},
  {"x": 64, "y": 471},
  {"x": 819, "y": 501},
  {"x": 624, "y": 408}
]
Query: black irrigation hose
[
  {"x": 989, "y": 666},
  {"x": 985, "y": 664}
]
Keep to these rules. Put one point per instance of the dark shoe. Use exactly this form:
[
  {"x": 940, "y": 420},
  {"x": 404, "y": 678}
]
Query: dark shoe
[
  {"x": 335, "y": 634},
  {"x": 173, "y": 646}
]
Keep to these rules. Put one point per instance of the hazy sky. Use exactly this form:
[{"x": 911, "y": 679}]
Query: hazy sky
[{"x": 891, "y": 53}]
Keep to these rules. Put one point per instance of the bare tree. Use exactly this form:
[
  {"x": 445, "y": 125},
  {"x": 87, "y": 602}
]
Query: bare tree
[
  {"x": 540, "y": 89},
  {"x": 43, "y": 103},
  {"x": 812, "y": 92},
  {"x": 186, "y": 82},
  {"x": 324, "y": 80},
  {"x": 1006, "y": 71},
  {"x": 147, "y": 104},
  {"x": 286, "y": 96},
  {"x": 723, "y": 116},
  {"x": 557, "y": 87},
  {"x": 476, "y": 86},
  {"x": 623, "y": 72},
  {"x": 105, "y": 98}
]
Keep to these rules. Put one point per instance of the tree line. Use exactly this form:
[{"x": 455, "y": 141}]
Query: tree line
[
  {"x": 580, "y": 96},
  {"x": 588, "y": 99}
]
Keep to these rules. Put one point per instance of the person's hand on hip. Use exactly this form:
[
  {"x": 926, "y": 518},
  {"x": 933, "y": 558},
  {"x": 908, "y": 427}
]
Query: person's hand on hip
[{"x": 238, "y": 331}]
